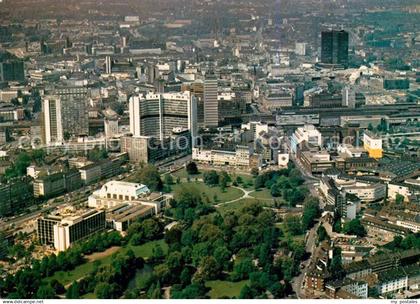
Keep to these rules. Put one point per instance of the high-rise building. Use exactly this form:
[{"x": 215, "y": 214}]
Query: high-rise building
[
  {"x": 300, "y": 48},
  {"x": 157, "y": 115},
  {"x": 108, "y": 65},
  {"x": 53, "y": 127},
  {"x": 111, "y": 127},
  {"x": 335, "y": 47},
  {"x": 211, "y": 106},
  {"x": 12, "y": 70},
  {"x": 65, "y": 113}
]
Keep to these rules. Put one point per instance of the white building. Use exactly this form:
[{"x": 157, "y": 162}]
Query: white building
[
  {"x": 411, "y": 225},
  {"x": 157, "y": 115},
  {"x": 366, "y": 192},
  {"x": 62, "y": 230},
  {"x": 52, "y": 119},
  {"x": 391, "y": 283},
  {"x": 240, "y": 157},
  {"x": 256, "y": 127},
  {"x": 111, "y": 127},
  {"x": 300, "y": 48},
  {"x": 115, "y": 192},
  {"x": 307, "y": 133}
]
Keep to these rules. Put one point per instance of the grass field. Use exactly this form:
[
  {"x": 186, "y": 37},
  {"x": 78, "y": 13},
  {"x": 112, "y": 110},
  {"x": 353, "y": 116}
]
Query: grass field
[
  {"x": 263, "y": 194},
  {"x": 236, "y": 205},
  {"x": 229, "y": 194},
  {"x": 144, "y": 251},
  {"x": 221, "y": 289}
]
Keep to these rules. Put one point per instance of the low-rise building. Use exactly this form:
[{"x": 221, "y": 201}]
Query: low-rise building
[
  {"x": 240, "y": 157},
  {"x": 308, "y": 134},
  {"x": 57, "y": 183},
  {"x": 386, "y": 230},
  {"x": 373, "y": 144},
  {"x": 62, "y": 230},
  {"x": 122, "y": 216}
]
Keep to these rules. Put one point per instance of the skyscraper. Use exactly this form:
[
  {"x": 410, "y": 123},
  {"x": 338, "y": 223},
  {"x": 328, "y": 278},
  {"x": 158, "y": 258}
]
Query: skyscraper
[
  {"x": 12, "y": 70},
  {"x": 52, "y": 119},
  {"x": 157, "y": 115},
  {"x": 108, "y": 65},
  {"x": 335, "y": 47},
  {"x": 65, "y": 113},
  {"x": 211, "y": 106}
]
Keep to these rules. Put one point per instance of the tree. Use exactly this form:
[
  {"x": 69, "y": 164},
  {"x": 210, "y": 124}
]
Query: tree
[
  {"x": 242, "y": 269},
  {"x": 73, "y": 291},
  {"x": 224, "y": 179},
  {"x": 322, "y": 233},
  {"x": 96, "y": 154},
  {"x": 192, "y": 168},
  {"x": 209, "y": 269},
  {"x": 311, "y": 211},
  {"x": 336, "y": 265},
  {"x": 58, "y": 287},
  {"x": 104, "y": 291},
  {"x": 169, "y": 180},
  {"x": 157, "y": 253},
  {"x": 193, "y": 291},
  {"x": 150, "y": 177},
  {"x": 162, "y": 273},
  {"x": 211, "y": 178},
  {"x": 45, "y": 292},
  {"x": 255, "y": 172},
  {"x": 399, "y": 199},
  {"x": 354, "y": 227},
  {"x": 246, "y": 293},
  {"x": 293, "y": 225}
]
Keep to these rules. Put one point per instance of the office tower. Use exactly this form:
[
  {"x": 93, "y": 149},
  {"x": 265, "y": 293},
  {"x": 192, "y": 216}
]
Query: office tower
[
  {"x": 111, "y": 127},
  {"x": 124, "y": 41},
  {"x": 53, "y": 127},
  {"x": 88, "y": 48},
  {"x": 157, "y": 115},
  {"x": 108, "y": 65},
  {"x": 211, "y": 106},
  {"x": 348, "y": 97},
  {"x": 65, "y": 113},
  {"x": 300, "y": 48},
  {"x": 335, "y": 47},
  {"x": 12, "y": 70},
  {"x": 63, "y": 230}
]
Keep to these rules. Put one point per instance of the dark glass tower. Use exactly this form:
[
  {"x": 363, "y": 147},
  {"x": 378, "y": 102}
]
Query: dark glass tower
[{"x": 335, "y": 47}]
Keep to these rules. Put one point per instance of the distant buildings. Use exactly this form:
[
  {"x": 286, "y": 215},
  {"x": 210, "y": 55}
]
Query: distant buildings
[
  {"x": 57, "y": 183},
  {"x": 373, "y": 144},
  {"x": 15, "y": 196},
  {"x": 12, "y": 70},
  {"x": 335, "y": 47}
]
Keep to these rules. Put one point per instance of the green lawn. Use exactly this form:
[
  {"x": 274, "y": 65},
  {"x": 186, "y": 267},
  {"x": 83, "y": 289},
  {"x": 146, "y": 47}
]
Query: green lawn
[
  {"x": 263, "y": 194},
  {"x": 236, "y": 205},
  {"x": 229, "y": 194},
  {"x": 182, "y": 173},
  {"x": 221, "y": 289},
  {"x": 81, "y": 271}
]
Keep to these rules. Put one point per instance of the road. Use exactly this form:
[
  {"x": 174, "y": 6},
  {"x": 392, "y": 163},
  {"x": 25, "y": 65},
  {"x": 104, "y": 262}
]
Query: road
[
  {"x": 297, "y": 283},
  {"x": 51, "y": 204}
]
